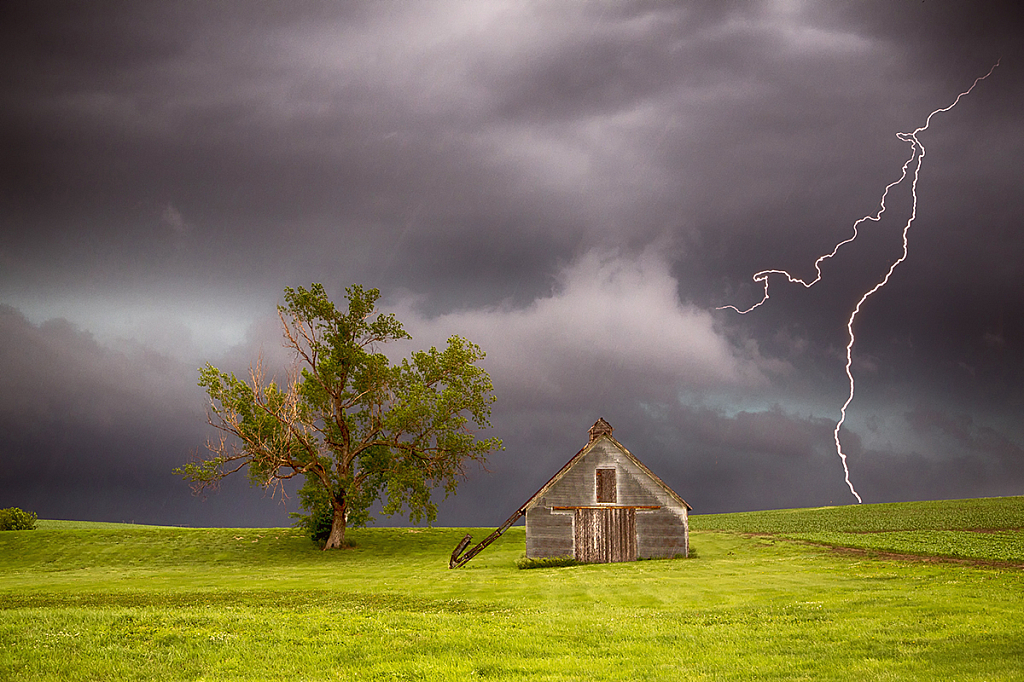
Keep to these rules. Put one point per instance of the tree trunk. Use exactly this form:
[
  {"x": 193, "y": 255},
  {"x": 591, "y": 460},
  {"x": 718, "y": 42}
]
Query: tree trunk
[{"x": 336, "y": 540}]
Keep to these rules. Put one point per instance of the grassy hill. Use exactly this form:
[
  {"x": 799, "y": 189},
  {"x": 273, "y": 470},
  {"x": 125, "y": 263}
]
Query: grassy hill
[{"x": 759, "y": 601}]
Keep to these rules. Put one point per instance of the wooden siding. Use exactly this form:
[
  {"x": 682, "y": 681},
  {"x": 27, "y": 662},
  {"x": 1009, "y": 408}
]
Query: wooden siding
[
  {"x": 603, "y": 535},
  {"x": 662, "y": 534},
  {"x": 661, "y": 529},
  {"x": 548, "y": 534}
]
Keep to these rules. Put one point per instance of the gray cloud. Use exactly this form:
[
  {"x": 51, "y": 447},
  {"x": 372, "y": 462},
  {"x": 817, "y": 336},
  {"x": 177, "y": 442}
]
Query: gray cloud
[
  {"x": 611, "y": 318},
  {"x": 92, "y": 432},
  {"x": 574, "y": 187}
]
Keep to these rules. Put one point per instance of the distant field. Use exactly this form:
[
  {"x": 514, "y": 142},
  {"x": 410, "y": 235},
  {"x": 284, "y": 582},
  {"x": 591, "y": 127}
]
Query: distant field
[
  {"x": 119, "y": 601},
  {"x": 987, "y": 529},
  {"x": 987, "y": 513},
  {"x": 49, "y": 524}
]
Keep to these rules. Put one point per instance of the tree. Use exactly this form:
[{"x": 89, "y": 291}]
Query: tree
[
  {"x": 356, "y": 426},
  {"x": 17, "y": 519}
]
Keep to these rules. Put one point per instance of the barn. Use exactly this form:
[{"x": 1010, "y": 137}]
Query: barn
[{"x": 604, "y": 505}]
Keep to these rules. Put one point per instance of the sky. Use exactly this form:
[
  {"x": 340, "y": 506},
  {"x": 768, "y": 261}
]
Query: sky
[{"x": 576, "y": 187}]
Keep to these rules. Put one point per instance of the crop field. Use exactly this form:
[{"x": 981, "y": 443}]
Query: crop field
[
  {"x": 931, "y": 591},
  {"x": 988, "y": 529}
]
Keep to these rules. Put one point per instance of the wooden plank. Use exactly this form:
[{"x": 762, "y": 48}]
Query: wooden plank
[
  {"x": 618, "y": 506},
  {"x": 583, "y": 535},
  {"x": 622, "y": 534},
  {"x": 456, "y": 561},
  {"x": 605, "y": 485},
  {"x": 604, "y": 534}
]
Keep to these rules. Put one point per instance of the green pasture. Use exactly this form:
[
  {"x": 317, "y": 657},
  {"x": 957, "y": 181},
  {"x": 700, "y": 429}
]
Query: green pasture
[
  {"x": 766, "y": 596},
  {"x": 987, "y": 529}
]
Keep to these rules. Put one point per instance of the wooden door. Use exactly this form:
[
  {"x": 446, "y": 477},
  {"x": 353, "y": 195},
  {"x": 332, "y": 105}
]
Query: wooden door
[{"x": 604, "y": 534}]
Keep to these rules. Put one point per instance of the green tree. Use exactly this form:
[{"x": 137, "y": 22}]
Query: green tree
[
  {"x": 359, "y": 428},
  {"x": 17, "y": 519}
]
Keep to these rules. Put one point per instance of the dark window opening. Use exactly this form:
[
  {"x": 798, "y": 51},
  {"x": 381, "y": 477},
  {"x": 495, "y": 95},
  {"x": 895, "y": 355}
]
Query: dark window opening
[{"x": 606, "y": 485}]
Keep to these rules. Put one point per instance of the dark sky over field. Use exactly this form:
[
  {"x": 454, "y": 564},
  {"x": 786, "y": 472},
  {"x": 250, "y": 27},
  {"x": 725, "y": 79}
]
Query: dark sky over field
[{"x": 575, "y": 187}]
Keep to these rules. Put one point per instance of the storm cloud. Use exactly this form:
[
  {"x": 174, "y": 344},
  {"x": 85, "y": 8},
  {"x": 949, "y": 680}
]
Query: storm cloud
[{"x": 575, "y": 187}]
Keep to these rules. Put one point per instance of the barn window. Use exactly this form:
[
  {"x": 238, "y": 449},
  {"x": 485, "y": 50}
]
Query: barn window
[{"x": 606, "y": 485}]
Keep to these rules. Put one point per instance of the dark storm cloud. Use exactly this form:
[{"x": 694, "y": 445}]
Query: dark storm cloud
[
  {"x": 242, "y": 129},
  {"x": 574, "y": 187},
  {"x": 964, "y": 435},
  {"x": 89, "y": 431},
  {"x": 286, "y": 127}
]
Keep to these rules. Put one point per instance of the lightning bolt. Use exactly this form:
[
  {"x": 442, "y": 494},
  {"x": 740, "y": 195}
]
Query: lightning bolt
[{"x": 917, "y": 153}]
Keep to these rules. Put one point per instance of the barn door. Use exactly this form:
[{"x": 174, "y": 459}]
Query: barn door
[{"x": 602, "y": 535}]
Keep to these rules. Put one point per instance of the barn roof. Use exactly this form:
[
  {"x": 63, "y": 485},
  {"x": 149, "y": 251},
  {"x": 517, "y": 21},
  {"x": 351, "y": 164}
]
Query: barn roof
[{"x": 601, "y": 429}]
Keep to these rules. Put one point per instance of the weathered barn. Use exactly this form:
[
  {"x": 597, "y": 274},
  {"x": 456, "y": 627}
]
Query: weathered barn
[{"x": 604, "y": 505}]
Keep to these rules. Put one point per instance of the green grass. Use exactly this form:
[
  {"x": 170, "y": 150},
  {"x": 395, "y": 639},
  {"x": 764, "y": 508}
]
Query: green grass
[
  {"x": 547, "y": 562},
  {"x": 53, "y": 524},
  {"x": 138, "y": 603},
  {"x": 1000, "y": 546},
  {"x": 988, "y": 513},
  {"x": 986, "y": 529}
]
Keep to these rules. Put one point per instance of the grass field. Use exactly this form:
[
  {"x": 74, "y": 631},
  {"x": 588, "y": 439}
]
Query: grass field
[
  {"x": 981, "y": 530},
  {"x": 759, "y": 601}
]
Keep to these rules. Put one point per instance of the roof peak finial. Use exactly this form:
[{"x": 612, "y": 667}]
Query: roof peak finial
[{"x": 600, "y": 428}]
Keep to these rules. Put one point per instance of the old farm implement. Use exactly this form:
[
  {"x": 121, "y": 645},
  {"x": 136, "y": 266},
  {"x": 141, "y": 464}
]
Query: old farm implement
[{"x": 459, "y": 558}]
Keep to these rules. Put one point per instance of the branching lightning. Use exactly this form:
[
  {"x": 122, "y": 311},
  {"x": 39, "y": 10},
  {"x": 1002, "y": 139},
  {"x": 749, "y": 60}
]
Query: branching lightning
[{"x": 917, "y": 153}]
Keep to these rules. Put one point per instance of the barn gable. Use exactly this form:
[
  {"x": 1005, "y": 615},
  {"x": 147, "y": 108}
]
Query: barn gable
[{"x": 605, "y": 505}]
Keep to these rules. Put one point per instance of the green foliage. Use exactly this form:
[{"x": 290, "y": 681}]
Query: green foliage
[
  {"x": 350, "y": 422},
  {"x": 316, "y": 522},
  {"x": 547, "y": 562},
  {"x": 13, "y": 518}
]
